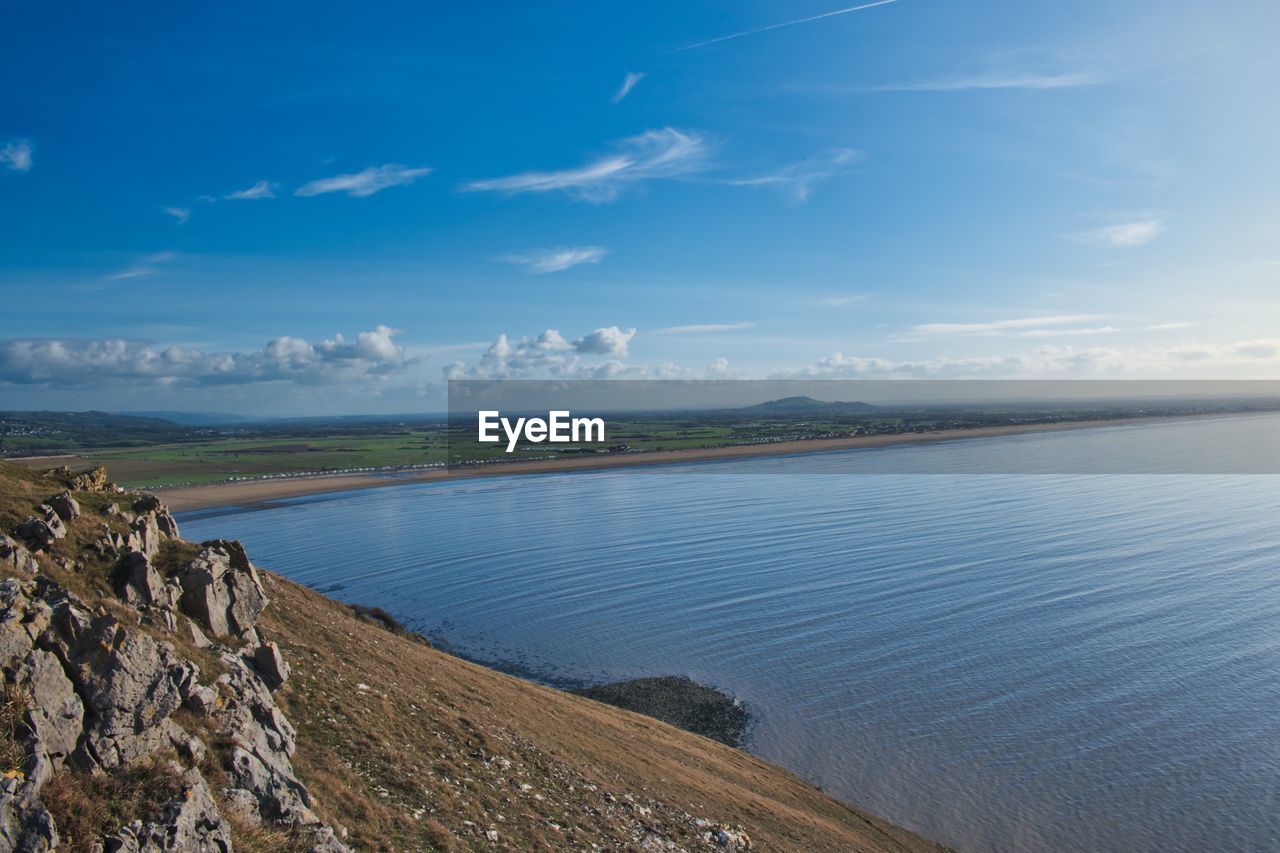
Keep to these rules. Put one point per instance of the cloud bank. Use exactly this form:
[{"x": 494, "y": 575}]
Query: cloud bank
[
  {"x": 550, "y": 355},
  {"x": 93, "y": 362}
]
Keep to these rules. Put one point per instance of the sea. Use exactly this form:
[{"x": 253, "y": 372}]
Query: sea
[{"x": 1044, "y": 642}]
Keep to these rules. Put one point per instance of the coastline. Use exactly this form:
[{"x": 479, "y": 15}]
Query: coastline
[{"x": 188, "y": 498}]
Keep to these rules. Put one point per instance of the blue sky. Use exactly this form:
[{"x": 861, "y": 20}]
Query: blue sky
[{"x": 302, "y": 208}]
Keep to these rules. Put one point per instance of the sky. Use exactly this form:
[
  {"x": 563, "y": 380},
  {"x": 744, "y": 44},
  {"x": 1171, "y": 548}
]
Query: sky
[{"x": 305, "y": 208}]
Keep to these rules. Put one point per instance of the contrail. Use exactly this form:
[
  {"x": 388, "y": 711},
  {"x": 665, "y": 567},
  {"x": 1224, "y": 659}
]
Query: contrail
[{"x": 784, "y": 24}]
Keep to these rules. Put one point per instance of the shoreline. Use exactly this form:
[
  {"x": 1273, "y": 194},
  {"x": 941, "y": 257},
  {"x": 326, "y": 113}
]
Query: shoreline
[{"x": 256, "y": 492}]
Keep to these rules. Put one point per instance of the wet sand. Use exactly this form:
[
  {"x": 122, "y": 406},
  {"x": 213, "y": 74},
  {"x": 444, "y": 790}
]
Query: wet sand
[{"x": 183, "y": 498}]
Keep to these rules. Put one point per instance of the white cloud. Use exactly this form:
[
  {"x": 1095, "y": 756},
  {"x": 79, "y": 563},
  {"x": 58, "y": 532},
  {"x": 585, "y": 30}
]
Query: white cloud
[
  {"x": 607, "y": 341},
  {"x": 701, "y": 328},
  {"x": 550, "y": 355},
  {"x": 149, "y": 265},
  {"x": 653, "y": 155},
  {"x": 262, "y": 189},
  {"x": 556, "y": 260},
  {"x": 1252, "y": 358},
  {"x": 1002, "y": 327},
  {"x": 797, "y": 179},
  {"x": 1126, "y": 235},
  {"x": 628, "y": 83},
  {"x": 1166, "y": 327},
  {"x": 365, "y": 183},
  {"x": 15, "y": 154},
  {"x": 181, "y": 214},
  {"x": 90, "y": 363},
  {"x": 842, "y": 301}
]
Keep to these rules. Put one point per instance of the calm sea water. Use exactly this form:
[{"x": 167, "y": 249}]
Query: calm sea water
[{"x": 1001, "y": 662}]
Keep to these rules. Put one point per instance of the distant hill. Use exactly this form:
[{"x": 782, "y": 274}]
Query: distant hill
[
  {"x": 38, "y": 432},
  {"x": 806, "y": 406},
  {"x": 190, "y": 418}
]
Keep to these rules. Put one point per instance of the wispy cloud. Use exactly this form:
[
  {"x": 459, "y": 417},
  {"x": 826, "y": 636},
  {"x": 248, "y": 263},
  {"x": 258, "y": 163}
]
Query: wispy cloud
[
  {"x": 149, "y": 265},
  {"x": 1126, "y": 235},
  {"x": 702, "y": 328},
  {"x": 628, "y": 83},
  {"x": 1016, "y": 327},
  {"x": 16, "y": 155},
  {"x": 797, "y": 179},
  {"x": 843, "y": 300},
  {"x": 782, "y": 24},
  {"x": 655, "y": 154},
  {"x": 262, "y": 189},
  {"x": 993, "y": 80},
  {"x": 366, "y": 183},
  {"x": 1166, "y": 327},
  {"x": 555, "y": 260},
  {"x": 181, "y": 214}
]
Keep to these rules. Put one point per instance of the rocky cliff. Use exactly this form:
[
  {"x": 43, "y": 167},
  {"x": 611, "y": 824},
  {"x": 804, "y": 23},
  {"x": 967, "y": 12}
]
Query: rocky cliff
[
  {"x": 151, "y": 689},
  {"x": 95, "y": 685}
]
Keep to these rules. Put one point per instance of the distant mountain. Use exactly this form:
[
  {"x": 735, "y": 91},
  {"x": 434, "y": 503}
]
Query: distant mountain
[{"x": 806, "y": 406}]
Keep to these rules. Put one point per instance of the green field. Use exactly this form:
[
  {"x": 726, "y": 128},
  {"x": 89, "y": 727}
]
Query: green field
[{"x": 148, "y": 452}]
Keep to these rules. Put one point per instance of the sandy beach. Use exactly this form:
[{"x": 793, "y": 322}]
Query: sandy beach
[{"x": 184, "y": 498}]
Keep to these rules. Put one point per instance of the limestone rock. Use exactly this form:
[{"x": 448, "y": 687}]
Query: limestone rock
[
  {"x": 93, "y": 480},
  {"x": 55, "y": 714},
  {"x": 191, "y": 823},
  {"x": 147, "y": 503},
  {"x": 65, "y": 506},
  {"x": 42, "y": 529},
  {"x": 144, "y": 535},
  {"x": 138, "y": 583},
  {"x": 271, "y": 665},
  {"x": 25, "y": 824},
  {"x": 130, "y": 684},
  {"x": 15, "y": 558},
  {"x": 221, "y": 590},
  {"x": 197, "y": 637}
]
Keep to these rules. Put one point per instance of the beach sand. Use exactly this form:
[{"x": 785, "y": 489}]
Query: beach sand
[{"x": 184, "y": 498}]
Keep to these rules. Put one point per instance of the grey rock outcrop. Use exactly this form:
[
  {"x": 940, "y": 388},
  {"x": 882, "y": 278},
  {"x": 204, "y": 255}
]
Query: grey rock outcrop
[
  {"x": 99, "y": 691},
  {"x": 221, "y": 590},
  {"x": 42, "y": 529},
  {"x": 144, "y": 535},
  {"x": 93, "y": 480},
  {"x": 130, "y": 685},
  {"x": 16, "y": 558},
  {"x": 25, "y": 824},
  {"x": 271, "y": 665},
  {"x": 138, "y": 583},
  {"x": 65, "y": 506},
  {"x": 190, "y": 823},
  {"x": 55, "y": 714}
]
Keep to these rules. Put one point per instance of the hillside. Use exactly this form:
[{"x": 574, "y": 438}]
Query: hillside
[
  {"x": 806, "y": 406},
  {"x": 164, "y": 695}
]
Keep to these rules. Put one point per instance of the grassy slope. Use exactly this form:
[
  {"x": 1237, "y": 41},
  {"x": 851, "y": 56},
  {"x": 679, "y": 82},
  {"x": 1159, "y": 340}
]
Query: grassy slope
[
  {"x": 430, "y": 722},
  {"x": 410, "y": 748}
]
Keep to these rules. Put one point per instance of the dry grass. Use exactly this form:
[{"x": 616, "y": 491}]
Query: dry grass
[
  {"x": 13, "y": 707},
  {"x": 451, "y": 742},
  {"x": 87, "y": 805}
]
